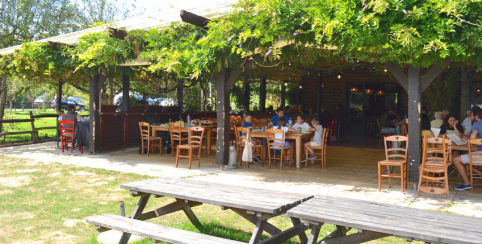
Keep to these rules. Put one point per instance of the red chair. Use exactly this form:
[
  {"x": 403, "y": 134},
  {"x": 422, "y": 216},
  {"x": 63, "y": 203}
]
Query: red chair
[
  {"x": 331, "y": 123},
  {"x": 66, "y": 133}
]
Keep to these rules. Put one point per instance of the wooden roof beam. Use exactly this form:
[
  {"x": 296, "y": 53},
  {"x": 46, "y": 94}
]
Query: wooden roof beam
[{"x": 194, "y": 19}]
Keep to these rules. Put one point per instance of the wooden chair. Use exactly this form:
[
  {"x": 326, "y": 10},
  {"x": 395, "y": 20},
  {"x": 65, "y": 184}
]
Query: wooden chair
[
  {"x": 195, "y": 121},
  {"x": 194, "y": 142},
  {"x": 66, "y": 133},
  {"x": 146, "y": 135},
  {"x": 277, "y": 144},
  {"x": 209, "y": 122},
  {"x": 240, "y": 144},
  {"x": 394, "y": 157},
  {"x": 474, "y": 161},
  {"x": 331, "y": 123},
  {"x": 206, "y": 122},
  {"x": 322, "y": 149},
  {"x": 263, "y": 121},
  {"x": 176, "y": 136},
  {"x": 382, "y": 134},
  {"x": 435, "y": 161}
]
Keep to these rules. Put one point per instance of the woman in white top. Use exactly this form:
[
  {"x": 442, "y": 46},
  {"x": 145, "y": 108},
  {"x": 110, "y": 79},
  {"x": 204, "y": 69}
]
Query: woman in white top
[{"x": 300, "y": 123}]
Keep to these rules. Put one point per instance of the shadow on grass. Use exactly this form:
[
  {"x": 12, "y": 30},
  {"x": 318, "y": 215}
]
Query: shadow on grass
[{"x": 212, "y": 228}]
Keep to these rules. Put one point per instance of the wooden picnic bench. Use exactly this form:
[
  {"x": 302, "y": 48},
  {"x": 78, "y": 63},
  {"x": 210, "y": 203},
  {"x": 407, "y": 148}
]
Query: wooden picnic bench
[
  {"x": 376, "y": 220},
  {"x": 255, "y": 205}
]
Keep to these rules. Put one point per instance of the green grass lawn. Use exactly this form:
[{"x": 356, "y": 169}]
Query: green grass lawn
[
  {"x": 26, "y": 126},
  {"x": 47, "y": 202}
]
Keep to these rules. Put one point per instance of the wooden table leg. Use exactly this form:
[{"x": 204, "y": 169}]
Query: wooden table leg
[
  {"x": 298, "y": 151},
  {"x": 137, "y": 213},
  {"x": 302, "y": 235},
  {"x": 315, "y": 231},
  {"x": 258, "y": 231},
  {"x": 208, "y": 140}
]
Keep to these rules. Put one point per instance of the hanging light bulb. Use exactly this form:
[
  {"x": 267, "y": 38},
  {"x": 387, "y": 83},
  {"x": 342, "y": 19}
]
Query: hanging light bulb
[
  {"x": 354, "y": 89},
  {"x": 385, "y": 70},
  {"x": 289, "y": 63},
  {"x": 322, "y": 85},
  {"x": 301, "y": 87},
  {"x": 368, "y": 91},
  {"x": 286, "y": 84},
  {"x": 339, "y": 75},
  {"x": 380, "y": 92}
]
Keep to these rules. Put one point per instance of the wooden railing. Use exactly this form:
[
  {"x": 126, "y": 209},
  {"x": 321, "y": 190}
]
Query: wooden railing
[{"x": 34, "y": 131}]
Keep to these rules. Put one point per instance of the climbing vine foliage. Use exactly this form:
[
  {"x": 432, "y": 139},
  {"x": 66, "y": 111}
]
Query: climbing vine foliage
[{"x": 272, "y": 33}]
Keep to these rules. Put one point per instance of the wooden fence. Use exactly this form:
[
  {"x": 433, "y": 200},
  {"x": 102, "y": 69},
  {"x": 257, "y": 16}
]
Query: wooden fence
[{"x": 34, "y": 131}]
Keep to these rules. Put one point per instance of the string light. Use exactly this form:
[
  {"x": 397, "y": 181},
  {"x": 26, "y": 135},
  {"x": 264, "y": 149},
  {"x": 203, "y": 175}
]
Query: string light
[
  {"x": 339, "y": 75},
  {"x": 385, "y": 69},
  {"x": 289, "y": 63},
  {"x": 319, "y": 73},
  {"x": 301, "y": 87},
  {"x": 352, "y": 68}
]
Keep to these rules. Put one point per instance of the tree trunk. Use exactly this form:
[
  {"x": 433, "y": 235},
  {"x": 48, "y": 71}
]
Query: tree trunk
[
  {"x": 111, "y": 93},
  {"x": 3, "y": 97}
]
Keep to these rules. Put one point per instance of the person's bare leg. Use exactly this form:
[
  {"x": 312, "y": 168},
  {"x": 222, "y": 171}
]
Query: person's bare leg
[{"x": 460, "y": 167}]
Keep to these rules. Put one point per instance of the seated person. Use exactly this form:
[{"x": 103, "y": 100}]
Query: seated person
[
  {"x": 445, "y": 113},
  {"x": 300, "y": 123},
  {"x": 280, "y": 113},
  {"x": 317, "y": 140},
  {"x": 288, "y": 110},
  {"x": 247, "y": 124},
  {"x": 282, "y": 126},
  {"x": 451, "y": 126},
  {"x": 460, "y": 160},
  {"x": 467, "y": 121},
  {"x": 385, "y": 122},
  {"x": 60, "y": 113},
  {"x": 471, "y": 118},
  {"x": 324, "y": 116},
  {"x": 426, "y": 126},
  {"x": 437, "y": 122}
]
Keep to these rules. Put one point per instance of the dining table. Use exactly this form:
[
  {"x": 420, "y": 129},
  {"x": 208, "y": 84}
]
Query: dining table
[
  {"x": 298, "y": 137},
  {"x": 208, "y": 129}
]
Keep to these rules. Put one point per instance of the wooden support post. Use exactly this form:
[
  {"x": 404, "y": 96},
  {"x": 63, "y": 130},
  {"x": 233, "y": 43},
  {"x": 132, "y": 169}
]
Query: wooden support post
[
  {"x": 222, "y": 83},
  {"x": 414, "y": 119},
  {"x": 262, "y": 95},
  {"x": 34, "y": 139},
  {"x": 125, "y": 92},
  {"x": 180, "y": 94},
  {"x": 247, "y": 95},
  {"x": 95, "y": 85},
  {"x": 319, "y": 96},
  {"x": 59, "y": 97},
  {"x": 203, "y": 105},
  {"x": 283, "y": 95},
  {"x": 258, "y": 231}
]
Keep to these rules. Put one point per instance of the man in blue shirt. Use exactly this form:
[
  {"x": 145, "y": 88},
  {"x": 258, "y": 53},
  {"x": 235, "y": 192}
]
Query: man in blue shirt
[
  {"x": 280, "y": 113},
  {"x": 460, "y": 160}
]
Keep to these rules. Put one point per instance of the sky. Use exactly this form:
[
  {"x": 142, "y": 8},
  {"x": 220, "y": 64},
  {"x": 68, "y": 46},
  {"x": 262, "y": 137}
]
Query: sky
[{"x": 167, "y": 6}]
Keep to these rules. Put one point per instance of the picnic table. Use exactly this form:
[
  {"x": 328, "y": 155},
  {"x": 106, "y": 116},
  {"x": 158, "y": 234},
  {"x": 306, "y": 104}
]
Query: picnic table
[
  {"x": 298, "y": 137},
  {"x": 375, "y": 220},
  {"x": 255, "y": 205},
  {"x": 163, "y": 127}
]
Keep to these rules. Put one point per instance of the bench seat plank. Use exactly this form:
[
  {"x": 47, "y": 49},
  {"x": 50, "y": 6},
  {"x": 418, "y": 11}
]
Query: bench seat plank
[
  {"x": 424, "y": 225},
  {"x": 154, "y": 231},
  {"x": 253, "y": 199}
]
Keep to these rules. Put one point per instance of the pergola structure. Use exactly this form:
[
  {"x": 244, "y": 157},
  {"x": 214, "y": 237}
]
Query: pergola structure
[{"x": 411, "y": 77}]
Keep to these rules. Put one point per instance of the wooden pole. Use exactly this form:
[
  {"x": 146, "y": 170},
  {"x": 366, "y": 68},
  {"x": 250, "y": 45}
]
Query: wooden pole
[
  {"x": 95, "y": 85},
  {"x": 34, "y": 139},
  {"x": 247, "y": 95},
  {"x": 203, "y": 105},
  {"x": 283, "y": 96},
  {"x": 415, "y": 125},
  {"x": 262, "y": 95},
  {"x": 59, "y": 96},
  {"x": 302, "y": 104},
  {"x": 222, "y": 83},
  {"x": 319, "y": 92},
  {"x": 180, "y": 86},
  {"x": 125, "y": 92}
]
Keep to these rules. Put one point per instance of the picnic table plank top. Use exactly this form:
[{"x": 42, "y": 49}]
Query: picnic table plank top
[
  {"x": 253, "y": 199},
  {"x": 424, "y": 225}
]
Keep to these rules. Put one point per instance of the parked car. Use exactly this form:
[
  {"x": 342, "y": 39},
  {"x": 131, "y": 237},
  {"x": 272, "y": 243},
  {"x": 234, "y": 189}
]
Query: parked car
[
  {"x": 137, "y": 99},
  {"x": 164, "y": 101},
  {"x": 41, "y": 101},
  {"x": 65, "y": 102}
]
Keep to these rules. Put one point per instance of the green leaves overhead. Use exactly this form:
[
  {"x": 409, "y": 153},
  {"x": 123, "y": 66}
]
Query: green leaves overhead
[{"x": 309, "y": 33}]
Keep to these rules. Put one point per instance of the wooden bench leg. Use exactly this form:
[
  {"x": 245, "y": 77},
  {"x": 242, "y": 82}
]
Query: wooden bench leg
[
  {"x": 137, "y": 213},
  {"x": 190, "y": 214},
  {"x": 258, "y": 231},
  {"x": 315, "y": 232},
  {"x": 269, "y": 228},
  {"x": 302, "y": 235},
  {"x": 296, "y": 230}
]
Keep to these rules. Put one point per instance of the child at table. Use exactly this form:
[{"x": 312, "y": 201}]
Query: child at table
[
  {"x": 247, "y": 123},
  {"x": 300, "y": 123},
  {"x": 282, "y": 126},
  {"x": 317, "y": 140}
]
